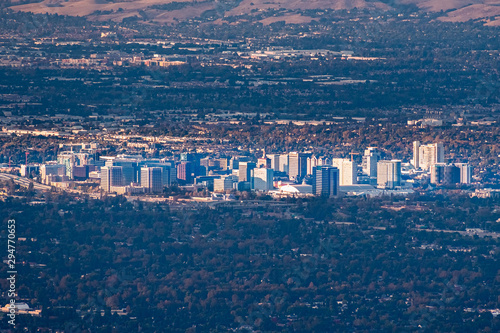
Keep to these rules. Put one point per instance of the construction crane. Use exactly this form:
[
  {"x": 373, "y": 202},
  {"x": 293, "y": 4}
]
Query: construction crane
[{"x": 351, "y": 153}]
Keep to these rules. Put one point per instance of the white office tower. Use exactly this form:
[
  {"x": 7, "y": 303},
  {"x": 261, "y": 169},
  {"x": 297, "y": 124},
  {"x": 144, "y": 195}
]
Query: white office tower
[
  {"x": 224, "y": 184},
  {"x": 389, "y": 174},
  {"x": 111, "y": 176},
  {"x": 311, "y": 163},
  {"x": 275, "y": 161},
  {"x": 347, "y": 171},
  {"x": 416, "y": 157},
  {"x": 429, "y": 155},
  {"x": 152, "y": 179},
  {"x": 284, "y": 163},
  {"x": 297, "y": 165},
  {"x": 263, "y": 179},
  {"x": 370, "y": 160},
  {"x": 465, "y": 172}
]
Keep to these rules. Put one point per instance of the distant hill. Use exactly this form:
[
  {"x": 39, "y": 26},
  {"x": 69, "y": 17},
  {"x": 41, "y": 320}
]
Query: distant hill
[{"x": 291, "y": 11}]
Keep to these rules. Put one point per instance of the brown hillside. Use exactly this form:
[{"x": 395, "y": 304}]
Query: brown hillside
[{"x": 456, "y": 10}]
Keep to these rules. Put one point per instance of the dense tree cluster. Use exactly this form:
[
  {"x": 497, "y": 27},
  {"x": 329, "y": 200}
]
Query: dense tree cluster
[{"x": 306, "y": 265}]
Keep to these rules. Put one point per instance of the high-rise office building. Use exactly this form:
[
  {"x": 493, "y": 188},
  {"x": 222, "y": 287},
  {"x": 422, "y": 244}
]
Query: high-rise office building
[
  {"x": 437, "y": 173},
  {"x": 275, "y": 161},
  {"x": 325, "y": 181},
  {"x": 465, "y": 172},
  {"x": 264, "y": 162},
  {"x": 245, "y": 171},
  {"x": 129, "y": 168},
  {"x": 284, "y": 162},
  {"x": 223, "y": 184},
  {"x": 52, "y": 169},
  {"x": 223, "y": 163},
  {"x": 416, "y": 157},
  {"x": 451, "y": 174},
  {"x": 442, "y": 173},
  {"x": 169, "y": 172},
  {"x": 370, "y": 160},
  {"x": 205, "y": 162},
  {"x": 297, "y": 167},
  {"x": 69, "y": 161},
  {"x": 348, "y": 171},
  {"x": 111, "y": 176},
  {"x": 234, "y": 163},
  {"x": 389, "y": 174},
  {"x": 152, "y": 179},
  {"x": 427, "y": 155},
  {"x": 168, "y": 166},
  {"x": 194, "y": 159},
  {"x": 29, "y": 169},
  {"x": 263, "y": 179},
  {"x": 185, "y": 172}
]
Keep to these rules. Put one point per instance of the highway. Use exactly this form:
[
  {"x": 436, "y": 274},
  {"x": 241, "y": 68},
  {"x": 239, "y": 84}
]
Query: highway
[{"x": 24, "y": 182}]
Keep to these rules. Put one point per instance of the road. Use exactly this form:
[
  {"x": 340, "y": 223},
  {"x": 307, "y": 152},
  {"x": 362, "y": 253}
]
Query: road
[{"x": 24, "y": 182}]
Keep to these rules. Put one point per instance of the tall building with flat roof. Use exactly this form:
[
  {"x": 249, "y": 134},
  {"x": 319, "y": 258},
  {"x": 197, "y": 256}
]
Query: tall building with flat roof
[
  {"x": 297, "y": 167},
  {"x": 275, "y": 161},
  {"x": 347, "y": 171},
  {"x": 245, "y": 171},
  {"x": 223, "y": 184},
  {"x": 169, "y": 170},
  {"x": 325, "y": 181},
  {"x": 416, "y": 157},
  {"x": 389, "y": 174},
  {"x": 234, "y": 163},
  {"x": 129, "y": 167},
  {"x": 264, "y": 162},
  {"x": 111, "y": 176},
  {"x": 465, "y": 172},
  {"x": 223, "y": 163},
  {"x": 442, "y": 173},
  {"x": 370, "y": 160},
  {"x": 27, "y": 170},
  {"x": 152, "y": 179},
  {"x": 263, "y": 179},
  {"x": 437, "y": 173},
  {"x": 429, "y": 155},
  {"x": 283, "y": 163},
  {"x": 185, "y": 171},
  {"x": 52, "y": 169}
]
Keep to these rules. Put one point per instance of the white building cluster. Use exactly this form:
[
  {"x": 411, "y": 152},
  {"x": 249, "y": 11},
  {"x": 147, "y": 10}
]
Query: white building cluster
[{"x": 294, "y": 173}]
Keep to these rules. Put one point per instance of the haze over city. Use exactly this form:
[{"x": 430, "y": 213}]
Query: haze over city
[{"x": 250, "y": 166}]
